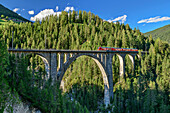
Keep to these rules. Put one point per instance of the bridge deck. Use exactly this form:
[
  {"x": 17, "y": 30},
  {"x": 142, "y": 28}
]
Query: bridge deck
[{"x": 69, "y": 51}]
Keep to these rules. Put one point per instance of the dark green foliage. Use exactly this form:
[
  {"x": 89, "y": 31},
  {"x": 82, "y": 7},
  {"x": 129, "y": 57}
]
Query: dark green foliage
[
  {"x": 6, "y": 92},
  {"x": 4, "y": 87},
  {"x": 144, "y": 90},
  {"x": 32, "y": 87}
]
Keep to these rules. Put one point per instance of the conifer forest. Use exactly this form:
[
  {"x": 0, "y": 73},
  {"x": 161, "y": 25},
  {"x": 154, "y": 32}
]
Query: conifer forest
[{"x": 145, "y": 91}]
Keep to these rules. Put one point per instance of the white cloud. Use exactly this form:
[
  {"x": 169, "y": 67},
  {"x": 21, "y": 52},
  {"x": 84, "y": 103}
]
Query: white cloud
[
  {"x": 43, "y": 14},
  {"x": 16, "y": 9},
  {"x": 48, "y": 12},
  {"x": 154, "y": 19},
  {"x": 72, "y": 8},
  {"x": 22, "y": 9},
  {"x": 57, "y": 8},
  {"x": 31, "y": 12},
  {"x": 19, "y": 14},
  {"x": 69, "y": 9},
  {"x": 109, "y": 20},
  {"x": 121, "y": 19},
  {"x": 57, "y": 13}
]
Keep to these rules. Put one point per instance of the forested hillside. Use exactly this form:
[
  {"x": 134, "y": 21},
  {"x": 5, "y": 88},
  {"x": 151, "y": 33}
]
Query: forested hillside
[
  {"x": 163, "y": 33},
  {"x": 6, "y": 12},
  {"x": 147, "y": 90}
]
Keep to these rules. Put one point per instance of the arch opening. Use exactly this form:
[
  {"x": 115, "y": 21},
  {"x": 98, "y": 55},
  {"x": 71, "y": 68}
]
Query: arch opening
[
  {"x": 129, "y": 65},
  {"x": 132, "y": 61},
  {"x": 85, "y": 80},
  {"x": 116, "y": 69},
  {"x": 39, "y": 67}
]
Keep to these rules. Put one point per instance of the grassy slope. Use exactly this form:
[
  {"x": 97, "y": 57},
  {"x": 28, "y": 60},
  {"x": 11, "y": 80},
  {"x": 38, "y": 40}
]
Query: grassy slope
[
  {"x": 163, "y": 33},
  {"x": 6, "y": 12},
  {"x": 3, "y": 22}
]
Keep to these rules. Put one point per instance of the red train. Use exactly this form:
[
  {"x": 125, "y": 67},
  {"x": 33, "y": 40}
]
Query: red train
[{"x": 115, "y": 49}]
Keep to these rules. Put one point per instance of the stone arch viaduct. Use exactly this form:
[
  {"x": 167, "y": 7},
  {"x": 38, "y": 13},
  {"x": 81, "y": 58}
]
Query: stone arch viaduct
[{"x": 65, "y": 57}]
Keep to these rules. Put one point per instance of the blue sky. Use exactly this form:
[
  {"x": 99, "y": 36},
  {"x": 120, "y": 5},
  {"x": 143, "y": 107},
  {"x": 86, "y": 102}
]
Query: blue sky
[{"x": 145, "y": 15}]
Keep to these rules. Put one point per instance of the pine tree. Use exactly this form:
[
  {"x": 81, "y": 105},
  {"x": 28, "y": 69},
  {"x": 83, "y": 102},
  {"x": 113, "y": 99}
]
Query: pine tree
[
  {"x": 84, "y": 17},
  {"x": 69, "y": 17},
  {"x": 80, "y": 16},
  {"x": 110, "y": 41},
  {"x": 89, "y": 17},
  {"x": 73, "y": 16},
  {"x": 124, "y": 39}
]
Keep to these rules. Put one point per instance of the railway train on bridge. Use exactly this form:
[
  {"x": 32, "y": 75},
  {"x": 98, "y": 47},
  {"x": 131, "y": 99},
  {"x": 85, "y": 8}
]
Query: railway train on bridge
[{"x": 115, "y": 49}]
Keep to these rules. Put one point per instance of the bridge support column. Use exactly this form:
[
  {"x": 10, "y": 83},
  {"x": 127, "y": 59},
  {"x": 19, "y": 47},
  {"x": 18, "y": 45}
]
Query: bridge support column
[
  {"x": 99, "y": 56},
  {"x": 53, "y": 66},
  {"x": 61, "y": 63},
  {"x": 67, "y": 56},
  {"x": 108, "y": 88},
  {"x": 109, "y": 57},
  {"x": 106, "y": 95},
  {"x": 103, "y": 58}
]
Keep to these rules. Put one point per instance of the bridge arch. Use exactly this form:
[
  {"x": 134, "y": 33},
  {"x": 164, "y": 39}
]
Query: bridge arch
[
  {"x": 97, "y": 60},
  {"x": 46, "y": 63},
  {"x": 101, "y": 66},
  {"x": 122, "y": 62},
  {"x": 132, "y": 59}
]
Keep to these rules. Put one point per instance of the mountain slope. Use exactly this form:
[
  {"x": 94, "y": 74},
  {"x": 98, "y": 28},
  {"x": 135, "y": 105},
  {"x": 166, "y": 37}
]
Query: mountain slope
[
  {"x": 6, "y": 12},
  {"x": 83, "y": 80},
  {"x": 163, "y": 33}
]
